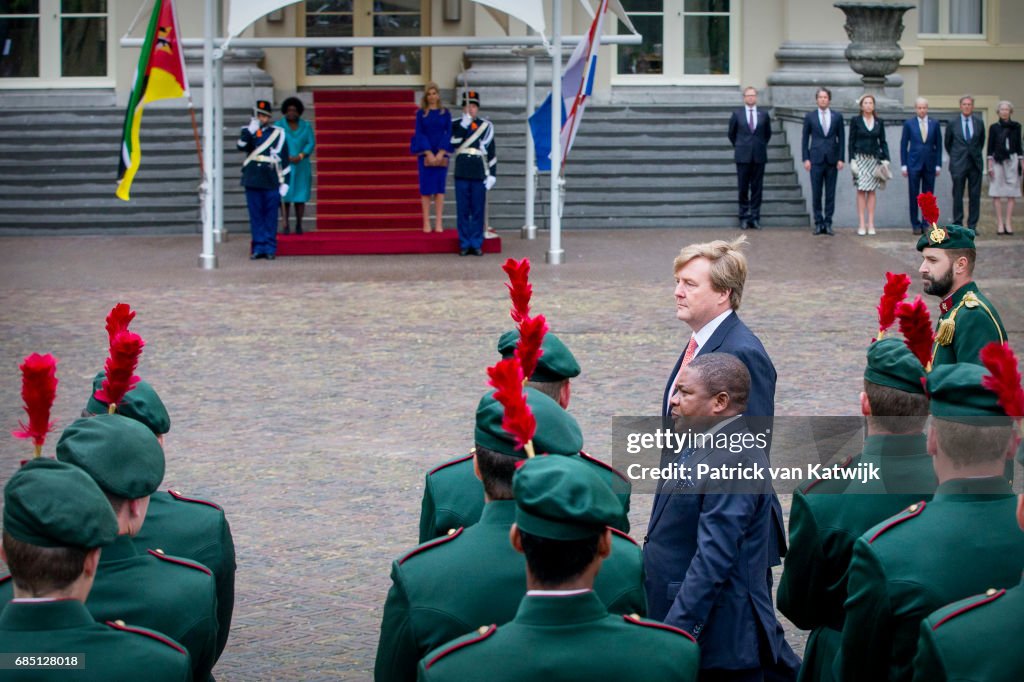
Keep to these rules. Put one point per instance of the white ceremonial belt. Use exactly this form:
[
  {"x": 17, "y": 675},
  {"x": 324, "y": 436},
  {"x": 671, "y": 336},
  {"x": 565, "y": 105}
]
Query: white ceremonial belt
[
  {"x": 472, "y": 151},
  {"x": 263, "y": 159}
]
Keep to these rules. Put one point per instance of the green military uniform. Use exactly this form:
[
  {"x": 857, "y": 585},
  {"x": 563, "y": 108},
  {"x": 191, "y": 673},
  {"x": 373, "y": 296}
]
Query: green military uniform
[
  {"x": 824, "y": 522},
  {"x": 973, "y": 640},
  {"x": 961, "y": 543},
  {"x": 176, "y": 524},
  {"x": 453, "y": 496},
  {"x": 451, "y": 585},
  {"x": 50, "y": 504},
  {"x": 565, "y": 635},
  {"x": 968, "y": 321}
]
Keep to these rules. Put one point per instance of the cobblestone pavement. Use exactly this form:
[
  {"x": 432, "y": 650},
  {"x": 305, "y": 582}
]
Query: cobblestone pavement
[{"x": 308, "y": 395}]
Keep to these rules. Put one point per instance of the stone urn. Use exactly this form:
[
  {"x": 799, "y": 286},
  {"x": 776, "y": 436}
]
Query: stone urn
[{"x": 874, "y": 29}]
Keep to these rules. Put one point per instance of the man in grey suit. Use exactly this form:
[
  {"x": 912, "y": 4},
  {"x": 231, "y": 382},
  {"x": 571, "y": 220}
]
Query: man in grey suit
[
  {"x": 749, "y": 132},
  {"x": 965, "y": 144},
  {"x": 822, "y": 147}
]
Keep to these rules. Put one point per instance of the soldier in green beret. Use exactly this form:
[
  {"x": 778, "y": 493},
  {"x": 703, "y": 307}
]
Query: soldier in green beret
[
  {"x": 472, "y": 576},
  {"x": 828, "y": 515},
  {"x": 969, "y": 321},
  {"x": 452, "y": 494},
  {"x": 562, "y": 630},
  {"x": 56, "y": 519},
  {"x": 177, "y": 524},
  {"x": 961, "y": 543}
]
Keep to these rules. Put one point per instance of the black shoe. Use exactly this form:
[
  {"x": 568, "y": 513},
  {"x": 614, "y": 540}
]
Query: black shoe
[
  {"x": 477, "y": 252},
  {"x": 463, "y": 252},
  {"x": 270, "y": 256},
  {"x": 918, "y": 230},
  {"x": 819, "y": 229},
  {"x": 754, "y": 224},
  {"x": 298, "y": 229},
  {"x": 828, "y": 230},
  {"x": 254, "y": 256},
  {"x": 287, "y": 230}
]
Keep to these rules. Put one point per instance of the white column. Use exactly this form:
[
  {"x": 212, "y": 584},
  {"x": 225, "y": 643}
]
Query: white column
[
  {"x": 208, "y": 259},
  {"x": 529, "y": 230},
  {"x": 555, "y": 253},
  {"x": 220, "y": 235}
]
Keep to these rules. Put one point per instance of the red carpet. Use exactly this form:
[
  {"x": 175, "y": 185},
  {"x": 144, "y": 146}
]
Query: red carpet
[{"x": 368, "y": 199}]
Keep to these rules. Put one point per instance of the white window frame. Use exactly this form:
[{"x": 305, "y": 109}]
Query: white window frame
[{"x": 944, "y": 22}]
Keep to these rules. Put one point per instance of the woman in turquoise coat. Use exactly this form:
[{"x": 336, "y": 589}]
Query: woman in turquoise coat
[{"x": 301, "y": 142}]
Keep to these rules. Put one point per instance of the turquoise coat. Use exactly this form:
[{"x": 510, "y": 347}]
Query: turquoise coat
[{"x": 300, "y": 179}]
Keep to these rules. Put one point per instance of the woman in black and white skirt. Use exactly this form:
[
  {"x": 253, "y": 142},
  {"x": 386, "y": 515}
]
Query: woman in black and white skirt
[
  {"x": 868, "y": 150},
  {"x": 1005, "y": 165}
]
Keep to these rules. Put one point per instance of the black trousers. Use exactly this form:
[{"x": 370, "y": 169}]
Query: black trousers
[
  {"x": 918, "y": 182},
  {"x": 972, "y": 178},
  {"x": 823, "y": 176},
  {"x": 750, "y": 178}
]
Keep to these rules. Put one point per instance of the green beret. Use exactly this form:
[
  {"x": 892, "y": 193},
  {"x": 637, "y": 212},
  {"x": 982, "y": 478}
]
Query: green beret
[
  {"x": 892, "y": 364},
  {"x": 562, "y": 498},
  {"x": 141, "y": 404},
  {"x": 122, "y": 455},
  {"x": 556, "y": 362},
  {"x": 52, "y": 504},
  {"x": 557, "y": 432},
  {"x": 948, "y": 237},
  {"x": 957, "y": 395}
]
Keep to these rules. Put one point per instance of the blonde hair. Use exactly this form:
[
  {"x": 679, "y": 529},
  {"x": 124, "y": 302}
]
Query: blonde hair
[
  {"x": 728, "y": 265},
  {"x": 423, "y": 100},
  {"x": 860, "y": 101}
]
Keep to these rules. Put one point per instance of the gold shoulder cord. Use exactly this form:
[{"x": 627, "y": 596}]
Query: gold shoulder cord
[{"x": 944, "y": 335}]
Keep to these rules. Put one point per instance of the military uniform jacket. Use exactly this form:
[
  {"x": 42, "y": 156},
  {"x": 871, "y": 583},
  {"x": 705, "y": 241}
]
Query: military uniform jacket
[
  {"x": 974, "y": 640},
  {"x": 569, "y": 638},
  {"x": 478, "y": 159},
  {"x": 197, "y": 530},
  {"x": 269, "y": 168},
  {"x": 968, "y": 323},
  {"x": 961, "y": 543},
  {"x": 473, "y": 577},
  {"x": 824, "y": 523},
  {"x": 112, "y": 651},
  {"x": 453, "y": 497}
]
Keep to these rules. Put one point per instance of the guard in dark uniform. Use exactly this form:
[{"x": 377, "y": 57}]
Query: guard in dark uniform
[
  {"x": 264, "y": 174},
  {"x": 476, "y": 169},
  {"x": 452, "y": 494},
  {"x": 473, "y": 576},
  {"x": 562, "y": 630},
  {"x": 827, "y": 516},
  {"x": 962, "y": 543},
  {"x": 56, "y": 517},
  {"x": 176, "y": 523}
]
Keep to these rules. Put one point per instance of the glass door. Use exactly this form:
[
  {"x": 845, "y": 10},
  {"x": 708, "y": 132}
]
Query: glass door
[{"x": 47, "y": 43}]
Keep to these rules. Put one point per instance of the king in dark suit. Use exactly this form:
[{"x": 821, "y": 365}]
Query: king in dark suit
[
  {"x": 749, "y": 133},
  {"x": 965, "y": 144},
  {"x": 921, "y": 158},
  {"x": 822, "y": 148}
]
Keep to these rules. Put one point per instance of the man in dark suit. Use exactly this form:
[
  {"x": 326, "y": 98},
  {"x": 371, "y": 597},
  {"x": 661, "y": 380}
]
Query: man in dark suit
[
  {"x": 749, "y": 133},
  {"x": 965, "y": 144},
  {"x": 822, "y": 147},
  {"x": 710, "y": 542},
  {"x": 920, "y": 156}
]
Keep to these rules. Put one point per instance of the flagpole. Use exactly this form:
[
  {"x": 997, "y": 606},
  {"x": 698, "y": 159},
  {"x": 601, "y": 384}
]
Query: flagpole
[
  {"x": 529, "y": 230},
  {"x": 555, "y": 253},
  {"x": 199, "y": 144},
  {"x": 220, "y": 235},
  {"x": 208, "y": 259}
]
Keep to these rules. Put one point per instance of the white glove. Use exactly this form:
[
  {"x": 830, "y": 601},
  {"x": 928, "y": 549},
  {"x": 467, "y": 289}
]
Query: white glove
[
  {"x": 465, "y": 120},
  {"x": 253, "y": 126},
  {"x": 283, "y": 189},
  {"x": 489, "y": 182},
  {"x": 854, "y": 171}
]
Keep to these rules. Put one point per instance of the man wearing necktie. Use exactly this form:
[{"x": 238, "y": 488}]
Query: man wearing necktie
[
  {"x": 750, "y": 130},
  {"x": 965, "y": 144},
  {"x": 921, "y": 158},
  {"x": 822, "y": 147}
]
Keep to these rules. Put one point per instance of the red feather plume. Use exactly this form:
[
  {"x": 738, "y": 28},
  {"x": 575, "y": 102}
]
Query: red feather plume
[
  {"x": 929, "y": 207},
  {"x": 518, "y": 422},
  {"x": 125, "y": 350},
  {"x": 531, "y": 337},
  {"x": 1004, "y": 381},
  {"x": 519, "y": 287},
  {"x": 118, "y": 319},
  {"x": 38, "y": 390},
  {"x": 894, "y": 292},
  {"x": 916, "y": 327}
]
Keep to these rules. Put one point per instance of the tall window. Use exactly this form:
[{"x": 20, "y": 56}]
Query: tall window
[
  {"x": 54, "y": 39},
  {"x": 19, "y": 38},
  {"x": 378, "y": 18},
  {"x": 952, "y": 18},
  {"x": 682, "y": 39}
]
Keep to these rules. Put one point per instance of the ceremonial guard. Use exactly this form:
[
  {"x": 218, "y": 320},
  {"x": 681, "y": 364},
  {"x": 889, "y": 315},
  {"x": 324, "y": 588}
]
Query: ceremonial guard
[
  {"x": 476, "y": 169},
  {"x": 472, "y": 576},
  {"x": 56, "y": 519},
  {"x": 827, "y": 516},
  {"x": 264, "y": 173},
  {"x": 901, "y": 570},
  {"x": 562, "y": 630}
]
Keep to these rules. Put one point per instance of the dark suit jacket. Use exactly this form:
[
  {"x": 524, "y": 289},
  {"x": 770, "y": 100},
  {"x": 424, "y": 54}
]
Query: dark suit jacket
[
  {"x": 819, "y": 148},
  {"x": 917, "y": 154},
  {"x": 750, "y": 147},
  {"x": 705, "y": 562},
  {"x": 871, "y": 142},
  {"x": 965, "y": 155}
]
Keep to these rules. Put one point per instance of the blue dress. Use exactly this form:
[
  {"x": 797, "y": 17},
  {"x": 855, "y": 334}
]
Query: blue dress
[
  {"x": 300, "y": 180},
  {"x": 433, "y": 133}
]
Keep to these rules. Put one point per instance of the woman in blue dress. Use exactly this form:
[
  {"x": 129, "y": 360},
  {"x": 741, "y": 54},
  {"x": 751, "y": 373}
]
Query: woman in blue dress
[
  {"x": 298, "y": 134},
  {"x": 431, "y": 143}
]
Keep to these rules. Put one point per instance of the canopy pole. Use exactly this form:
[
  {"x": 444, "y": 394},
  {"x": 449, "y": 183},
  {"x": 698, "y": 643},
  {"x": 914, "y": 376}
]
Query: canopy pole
[
  {"x": 529, "y": 230},
  {"x": 220, "y": 235},
  {"x": 208, "y": 259},
  {"x": 555, "y": 254}
]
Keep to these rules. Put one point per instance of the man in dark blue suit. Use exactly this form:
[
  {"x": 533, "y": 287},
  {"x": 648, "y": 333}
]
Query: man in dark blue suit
[
  {"x": 921, "y": 157},
  {"x": 709, "y": 542},
  {"x": 822, "y": 147},
  {"x": 749, "y": 132}
]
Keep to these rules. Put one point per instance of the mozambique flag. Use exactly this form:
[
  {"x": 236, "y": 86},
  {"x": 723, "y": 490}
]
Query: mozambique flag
[{"x": 160, "y": 75}]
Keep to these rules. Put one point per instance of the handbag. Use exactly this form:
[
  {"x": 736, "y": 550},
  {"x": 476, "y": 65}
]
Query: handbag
[{"x": 883, "y": 172}]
